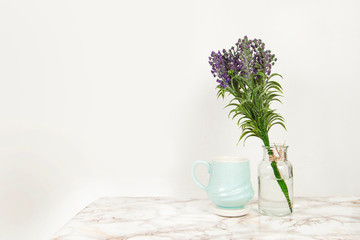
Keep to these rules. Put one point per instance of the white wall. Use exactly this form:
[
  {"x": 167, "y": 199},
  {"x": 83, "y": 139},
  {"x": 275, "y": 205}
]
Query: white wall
[{"x": 115, "y": 98}]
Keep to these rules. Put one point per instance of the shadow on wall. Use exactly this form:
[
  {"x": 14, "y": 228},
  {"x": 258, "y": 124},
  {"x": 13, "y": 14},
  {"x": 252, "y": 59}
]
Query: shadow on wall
[
  {"x": 200, "y": 138},
  {"x": 34, "y": 182},
  {"x": 208, "y": 132}
]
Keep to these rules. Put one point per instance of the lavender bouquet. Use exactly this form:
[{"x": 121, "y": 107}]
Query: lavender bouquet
[{"x": 244, "y": 72}]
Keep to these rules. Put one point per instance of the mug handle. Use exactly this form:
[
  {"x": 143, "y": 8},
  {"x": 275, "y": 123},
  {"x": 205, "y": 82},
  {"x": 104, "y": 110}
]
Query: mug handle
[{"x": 193, "y": 173}]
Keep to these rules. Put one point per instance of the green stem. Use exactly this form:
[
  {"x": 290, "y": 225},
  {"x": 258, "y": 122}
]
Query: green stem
[
  {"x": 282, "y": 184},
  {"x": 277, "y": 174}
]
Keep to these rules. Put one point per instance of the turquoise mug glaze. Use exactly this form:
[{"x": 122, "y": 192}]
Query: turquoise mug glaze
[{"x": 229, "y": 184}]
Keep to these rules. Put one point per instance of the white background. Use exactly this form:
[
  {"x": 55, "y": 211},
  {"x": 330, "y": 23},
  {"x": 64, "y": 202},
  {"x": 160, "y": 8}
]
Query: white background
[{"x": 115, "y": 98}]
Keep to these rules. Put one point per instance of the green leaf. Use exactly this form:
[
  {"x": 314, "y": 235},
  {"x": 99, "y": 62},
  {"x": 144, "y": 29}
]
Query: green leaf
[
  {"x": 231, "y": 104},
  {"x": 277, "y": 123},
  {"x": 275, "y": 74}
]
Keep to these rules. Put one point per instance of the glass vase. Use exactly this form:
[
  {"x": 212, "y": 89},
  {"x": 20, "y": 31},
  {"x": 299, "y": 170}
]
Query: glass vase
[{"x": 275, "y": 178}]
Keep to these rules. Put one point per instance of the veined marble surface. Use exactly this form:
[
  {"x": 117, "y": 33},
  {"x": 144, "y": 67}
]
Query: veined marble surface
[{"x": 165, "y": 218}]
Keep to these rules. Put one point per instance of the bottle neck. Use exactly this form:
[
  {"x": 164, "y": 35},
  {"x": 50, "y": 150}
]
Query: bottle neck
[{"x": 275, "y": 153}]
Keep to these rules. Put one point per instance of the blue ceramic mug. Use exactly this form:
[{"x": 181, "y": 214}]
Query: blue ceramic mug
[{"x": 229, "y": 184}]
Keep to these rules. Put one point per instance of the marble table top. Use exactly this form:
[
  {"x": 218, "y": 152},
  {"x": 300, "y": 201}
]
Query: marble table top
[{"x": 165, "y": 218}]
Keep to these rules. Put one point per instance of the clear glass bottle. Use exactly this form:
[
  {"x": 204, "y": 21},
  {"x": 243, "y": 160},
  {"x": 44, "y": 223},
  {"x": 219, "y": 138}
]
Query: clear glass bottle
[{"x": 275, "y": 178}]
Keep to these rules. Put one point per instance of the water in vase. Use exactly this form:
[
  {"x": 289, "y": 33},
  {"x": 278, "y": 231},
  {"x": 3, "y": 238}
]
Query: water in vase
[{"x": 271, "y": 199}]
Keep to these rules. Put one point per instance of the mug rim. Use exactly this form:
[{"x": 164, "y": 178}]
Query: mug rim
[{"x": 230, "y": 159}]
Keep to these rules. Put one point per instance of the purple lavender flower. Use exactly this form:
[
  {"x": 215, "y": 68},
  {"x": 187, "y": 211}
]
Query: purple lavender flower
[{"x": 246, "y": 58}]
